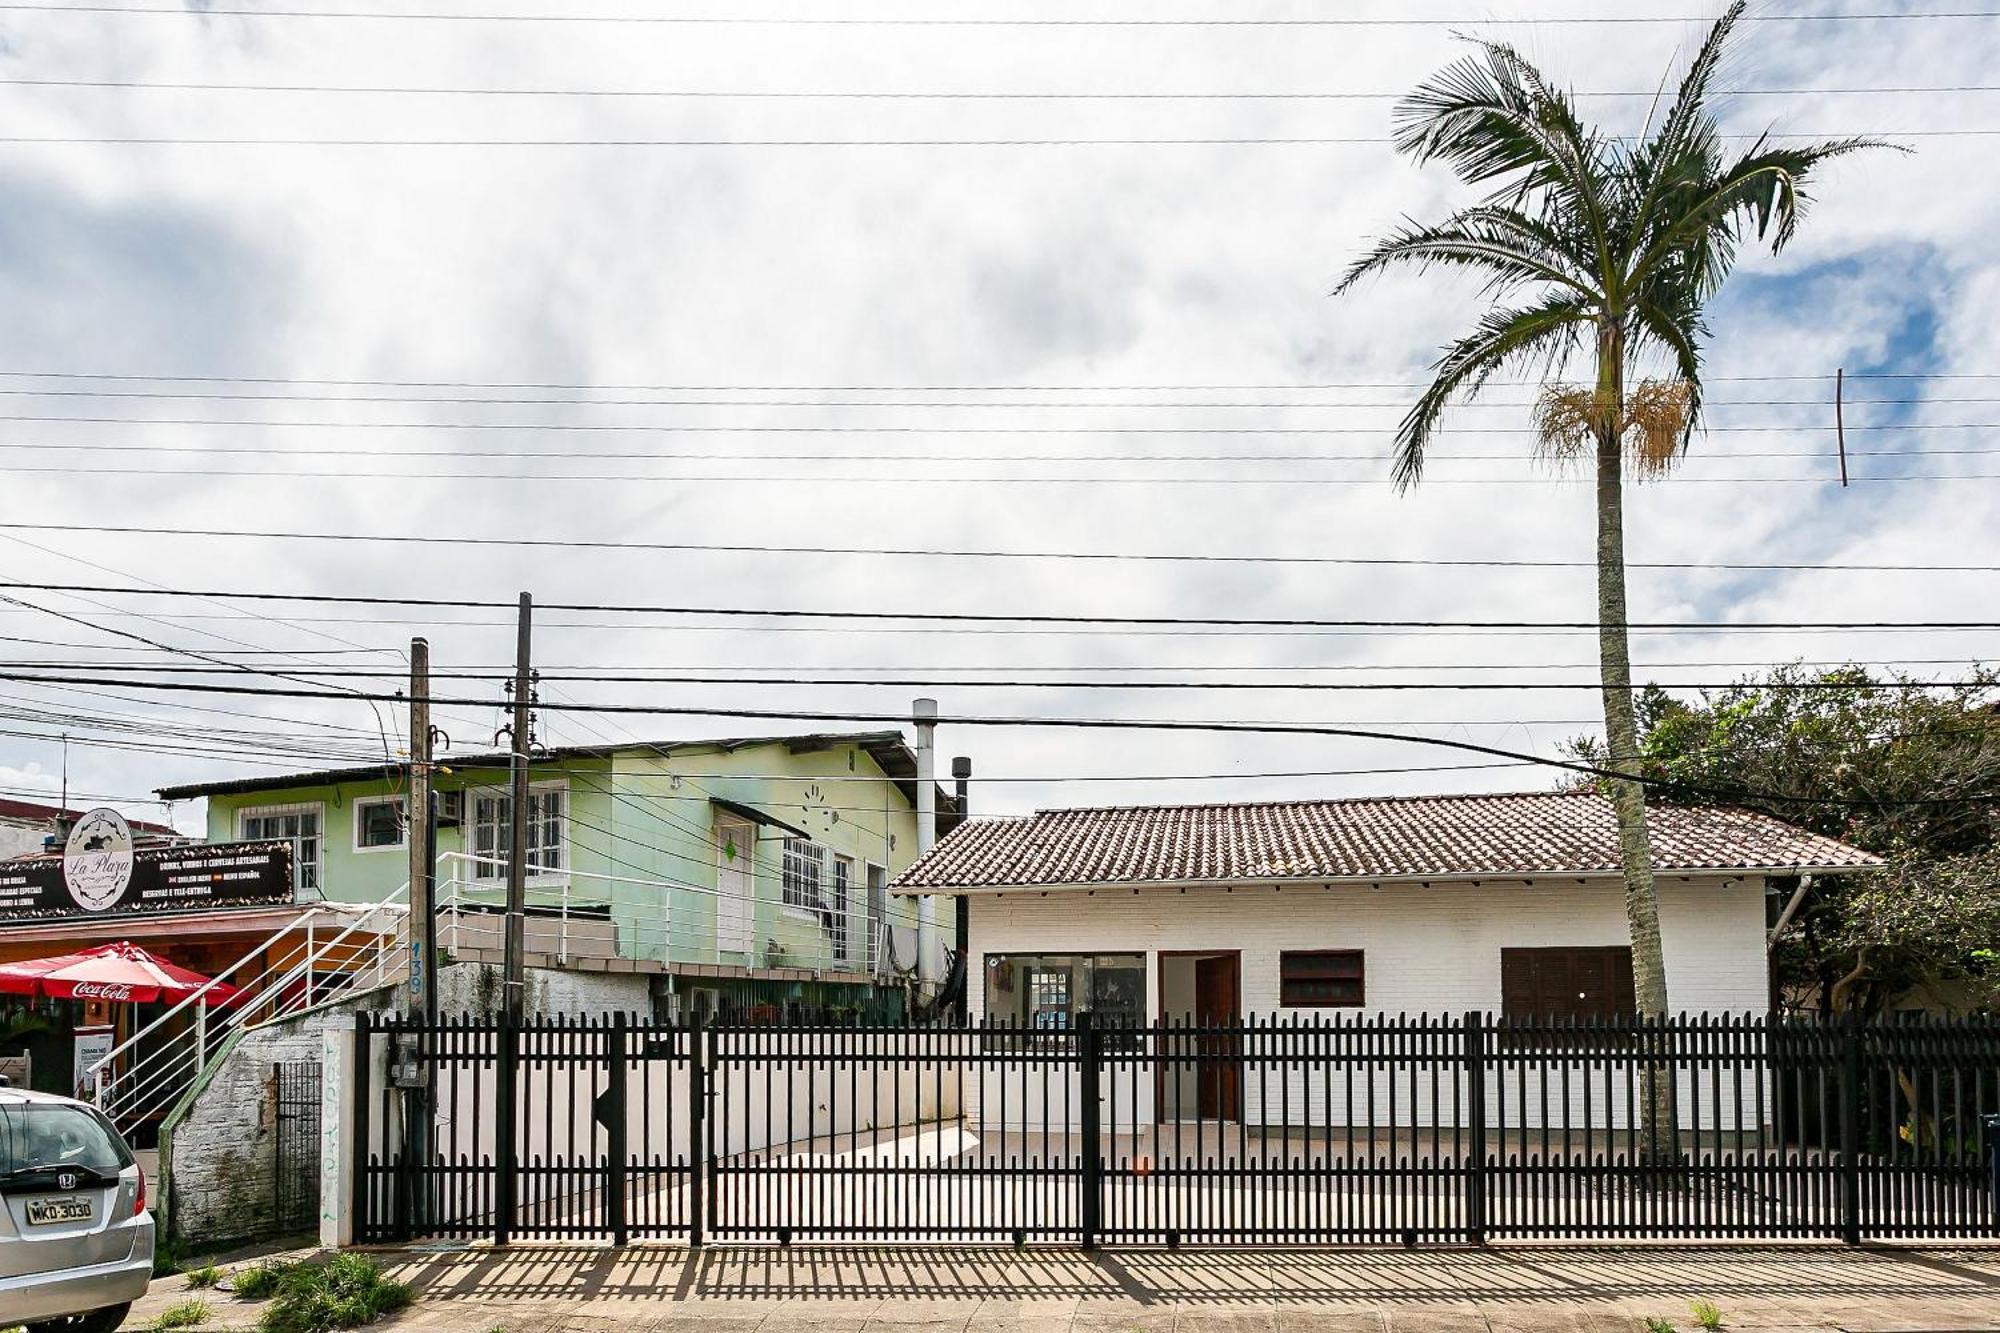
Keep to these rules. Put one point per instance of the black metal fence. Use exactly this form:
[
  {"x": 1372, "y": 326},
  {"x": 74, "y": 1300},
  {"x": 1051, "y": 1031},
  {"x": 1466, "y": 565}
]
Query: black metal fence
[
  {"x": 1383, "y": 1129},
  {"x": 296, "y": 1146}
]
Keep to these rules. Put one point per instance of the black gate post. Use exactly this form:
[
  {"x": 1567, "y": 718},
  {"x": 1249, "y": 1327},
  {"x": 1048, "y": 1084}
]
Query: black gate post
[
  {"x": 1089, "y": 1045},
  {"x": 506, "y": 1095},
  {"x": 1475, "y": 1100},
  {"x": 1850, "y": 1132},
  {"x": 698, "y": 1152},
  {"x": 611, "y": 1114}
]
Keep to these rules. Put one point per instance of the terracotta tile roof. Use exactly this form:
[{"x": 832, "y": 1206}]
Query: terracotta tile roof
[{"x": 1370, "y": 838}]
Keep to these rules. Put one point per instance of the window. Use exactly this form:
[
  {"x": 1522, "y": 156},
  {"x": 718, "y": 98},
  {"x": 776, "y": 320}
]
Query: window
[
  {"x": 1048, "y": 991},
  {"x": 1327, "y": 979},
  {"x": 1566, "y": 983},
  {"x": 296, "y": 824},
  {"x": 492, "y": 833},
  {"x": 838, "y": 908},
  {"x": 803, "y": 867},
  {"x": 378, "y": 823}
]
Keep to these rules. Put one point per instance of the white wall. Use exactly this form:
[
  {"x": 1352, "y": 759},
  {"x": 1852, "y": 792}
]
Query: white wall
[
  {"x": 20, "y": 837},
  {"x": 1429, "y": 950}
]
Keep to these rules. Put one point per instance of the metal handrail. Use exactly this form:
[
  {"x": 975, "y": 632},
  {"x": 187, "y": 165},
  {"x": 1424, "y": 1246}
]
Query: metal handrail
[{"x": 123, "y": 1093}]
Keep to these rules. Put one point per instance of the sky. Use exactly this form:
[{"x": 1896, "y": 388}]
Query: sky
[{"x": 1054, "y": 304}]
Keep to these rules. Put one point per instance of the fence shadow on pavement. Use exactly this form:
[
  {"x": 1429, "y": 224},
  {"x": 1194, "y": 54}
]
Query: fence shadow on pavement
[{"x": 718, "y": 1276}]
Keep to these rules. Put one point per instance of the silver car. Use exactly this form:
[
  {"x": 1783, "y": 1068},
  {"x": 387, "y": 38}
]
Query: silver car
[{"x": 76, "y": 1242}]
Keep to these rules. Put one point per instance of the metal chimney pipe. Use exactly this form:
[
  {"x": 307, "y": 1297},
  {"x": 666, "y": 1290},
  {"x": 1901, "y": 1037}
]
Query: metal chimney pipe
[
  {"x": 923, "y": 712},
  {"x": 961, "y": 772}
]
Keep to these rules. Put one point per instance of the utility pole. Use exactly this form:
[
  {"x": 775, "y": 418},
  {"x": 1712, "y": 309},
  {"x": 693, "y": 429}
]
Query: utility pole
[
  {"x": 924, "y": 713},
  {"x": 419, "y": 822},
  {"x": 518, "y": 743}
]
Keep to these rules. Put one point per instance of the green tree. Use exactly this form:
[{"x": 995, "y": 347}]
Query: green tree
[
  {"x": 1597, "y": 247},
  {"x": 1898, "y": 767}
]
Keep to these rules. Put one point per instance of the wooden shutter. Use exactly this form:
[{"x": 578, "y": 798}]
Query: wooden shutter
[{"x": 1567, "y": 983}]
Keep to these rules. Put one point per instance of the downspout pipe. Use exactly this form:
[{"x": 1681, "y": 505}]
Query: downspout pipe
[{"x": 923, "y": 712}]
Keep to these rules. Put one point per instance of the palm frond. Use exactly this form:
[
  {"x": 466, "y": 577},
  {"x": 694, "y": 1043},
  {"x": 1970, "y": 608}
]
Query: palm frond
[
  {"x": 1508, "y": 246},
  {"x": 1546, "y": 330}
]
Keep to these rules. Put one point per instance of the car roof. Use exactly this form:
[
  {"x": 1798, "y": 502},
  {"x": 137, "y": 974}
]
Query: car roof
[{"x": 29, "y": 1097}]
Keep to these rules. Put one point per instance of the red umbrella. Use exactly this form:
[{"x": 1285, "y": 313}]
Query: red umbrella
[{"x": 121, "y": 972}]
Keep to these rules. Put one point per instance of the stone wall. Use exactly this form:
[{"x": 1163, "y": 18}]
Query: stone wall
[{"x": 219, "y": 1153}]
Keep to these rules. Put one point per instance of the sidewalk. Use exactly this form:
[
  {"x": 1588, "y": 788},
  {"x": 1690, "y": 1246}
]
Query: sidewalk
[{"x": 829, "y": 1289}]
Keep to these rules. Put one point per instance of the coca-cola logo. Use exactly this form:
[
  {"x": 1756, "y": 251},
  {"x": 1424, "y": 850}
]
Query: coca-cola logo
[
  {"x": 97, "y": 859},
  {"x": 101, "y": 990}
]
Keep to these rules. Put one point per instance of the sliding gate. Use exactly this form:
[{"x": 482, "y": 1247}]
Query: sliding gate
[{"x": 1383, "y": 1129}]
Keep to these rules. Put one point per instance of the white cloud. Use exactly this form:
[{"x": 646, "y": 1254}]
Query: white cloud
[{"x": 1047, "y": 266}]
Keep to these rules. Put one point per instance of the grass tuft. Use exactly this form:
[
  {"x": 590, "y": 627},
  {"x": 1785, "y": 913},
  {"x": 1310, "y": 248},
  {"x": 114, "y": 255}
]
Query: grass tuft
[
  {"x": 1706, "y": 1314},
  {"x": 181, "y": 1314},
  {"x": 347, "y": 1291},
  {"x": 202, "y": 1278},
  {"x": 1655, "y": 1324}
]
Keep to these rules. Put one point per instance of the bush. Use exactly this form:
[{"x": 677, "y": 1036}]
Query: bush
[
  {"x": 346, "y": 1291},
  {"x": 185, "y": 1314},
  {"x": 261, "y": 1281}
]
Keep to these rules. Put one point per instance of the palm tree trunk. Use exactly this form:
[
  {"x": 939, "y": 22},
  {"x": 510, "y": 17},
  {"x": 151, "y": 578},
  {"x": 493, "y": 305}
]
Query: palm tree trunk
[{"x": 1621, "y": 734}]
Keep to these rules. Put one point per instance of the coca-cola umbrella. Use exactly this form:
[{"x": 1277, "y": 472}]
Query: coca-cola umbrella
[{"x": 122, "y": 973}]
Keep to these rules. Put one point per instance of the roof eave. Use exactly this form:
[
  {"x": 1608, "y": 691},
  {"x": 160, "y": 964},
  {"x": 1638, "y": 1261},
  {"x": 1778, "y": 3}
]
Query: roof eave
[{"x": 1291, "y": 881}]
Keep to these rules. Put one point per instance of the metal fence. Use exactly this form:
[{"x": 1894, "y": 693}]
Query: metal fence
[
  {"x": 1379, "y": 1129},
  {"x": 297, "y": 1145}
]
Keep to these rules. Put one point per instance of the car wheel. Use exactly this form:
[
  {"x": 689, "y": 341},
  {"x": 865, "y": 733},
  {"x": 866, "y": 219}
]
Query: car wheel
[{"x": 97, "y": 1321}]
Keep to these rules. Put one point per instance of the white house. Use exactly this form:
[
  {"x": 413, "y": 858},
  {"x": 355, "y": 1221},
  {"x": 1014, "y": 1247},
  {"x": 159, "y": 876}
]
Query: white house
[{"x": 1507, "y": 904}]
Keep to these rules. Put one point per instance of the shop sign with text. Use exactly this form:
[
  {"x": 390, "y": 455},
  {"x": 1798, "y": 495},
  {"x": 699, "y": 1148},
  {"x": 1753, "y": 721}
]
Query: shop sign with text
[{"x": 101, "y": 877}]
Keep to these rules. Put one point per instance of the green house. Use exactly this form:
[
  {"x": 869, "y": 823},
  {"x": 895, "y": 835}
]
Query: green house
[{"x": 753, "y": 869}]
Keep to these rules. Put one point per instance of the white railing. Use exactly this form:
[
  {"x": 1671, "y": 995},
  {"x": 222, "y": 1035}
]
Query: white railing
[
  {"x": 470, "y": 915},
  {"x": 328, "y": 952}
]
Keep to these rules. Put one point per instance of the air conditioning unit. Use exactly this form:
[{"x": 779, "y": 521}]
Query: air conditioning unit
[{"x": 451, "y": 809}]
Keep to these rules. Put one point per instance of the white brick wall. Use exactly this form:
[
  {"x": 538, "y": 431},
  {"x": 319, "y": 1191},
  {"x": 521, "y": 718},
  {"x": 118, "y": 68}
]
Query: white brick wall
[{"x": 1434, "y": 950}]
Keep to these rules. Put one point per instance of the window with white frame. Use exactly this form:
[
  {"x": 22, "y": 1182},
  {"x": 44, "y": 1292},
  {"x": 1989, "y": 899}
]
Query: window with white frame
[
  {"x": 379, "y": 824},
  {"x": 804, "y": 867},
  {"x": 493, "y": 834},
  {"x": 297, "y": 824}
]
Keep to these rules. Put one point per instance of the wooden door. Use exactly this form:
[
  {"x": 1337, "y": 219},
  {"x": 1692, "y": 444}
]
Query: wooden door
[
  {"x": 735, "y": 884},
  {"x": 1218, "y": 1080}
]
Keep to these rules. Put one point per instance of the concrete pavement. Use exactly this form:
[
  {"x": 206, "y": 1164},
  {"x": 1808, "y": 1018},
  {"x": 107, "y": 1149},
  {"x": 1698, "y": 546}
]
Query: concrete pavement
[{"x": 1504, "y": 1289}]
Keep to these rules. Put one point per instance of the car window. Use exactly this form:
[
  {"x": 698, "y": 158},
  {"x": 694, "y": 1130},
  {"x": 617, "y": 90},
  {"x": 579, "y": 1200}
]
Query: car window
[{"x": 52, "y": 1134}]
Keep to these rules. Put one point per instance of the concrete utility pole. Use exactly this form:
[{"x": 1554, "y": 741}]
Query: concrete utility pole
[
  {"x": 924, "y": 714},
  {"x": 514, "y": 959},
  {"x": 420, "y": 833}
]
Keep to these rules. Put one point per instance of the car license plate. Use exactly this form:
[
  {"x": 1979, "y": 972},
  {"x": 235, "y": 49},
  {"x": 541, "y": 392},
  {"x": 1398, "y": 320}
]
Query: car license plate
[{"x": 48, "y": 1212}]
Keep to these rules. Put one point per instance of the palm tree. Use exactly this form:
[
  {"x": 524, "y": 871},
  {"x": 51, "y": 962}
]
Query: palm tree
[{"x": 1593, "y": 244}]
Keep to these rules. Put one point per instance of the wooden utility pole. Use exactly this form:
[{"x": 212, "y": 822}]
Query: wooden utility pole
[
  {"x": 420, "y": 830},
  {"x": 518, "y": 744}
]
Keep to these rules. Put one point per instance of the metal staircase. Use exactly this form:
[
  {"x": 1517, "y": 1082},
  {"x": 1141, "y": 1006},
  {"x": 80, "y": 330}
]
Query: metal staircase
[{"x": 329, "y": 952}]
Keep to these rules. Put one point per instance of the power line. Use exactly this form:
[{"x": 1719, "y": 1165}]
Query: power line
[
  {"x": 737, "y": 455},
  {"x": 1215, "y": 141},
  {"x": 751, "y": 479},
  {"x": 213, "y": 395},
  {"x": 956, "y": 683},
  {"x": 653, "y": 428},
  {"x": 918, "y": 388},
  {"x": 945, "y": 553},
  {"x": 707, "y": 94},
  {"x": 970, "y": 617},
  {"x": 746, "y": 20},
  {"x": 1220, "y": 726}
]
